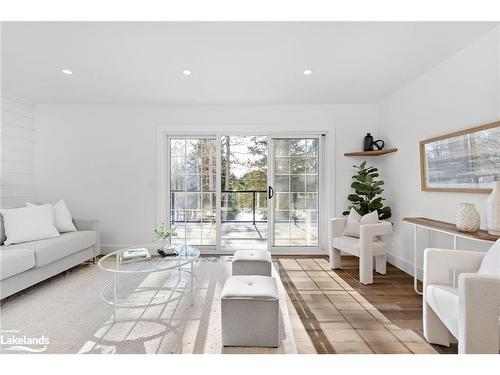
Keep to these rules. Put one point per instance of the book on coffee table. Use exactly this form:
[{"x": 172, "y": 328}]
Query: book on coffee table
[{"x": 135, "y": 255}]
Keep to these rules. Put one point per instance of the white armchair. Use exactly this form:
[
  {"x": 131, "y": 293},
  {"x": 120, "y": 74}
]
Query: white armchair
[
  {"x": 469, "y": 311},
  {"x": 366, "y": 247}
]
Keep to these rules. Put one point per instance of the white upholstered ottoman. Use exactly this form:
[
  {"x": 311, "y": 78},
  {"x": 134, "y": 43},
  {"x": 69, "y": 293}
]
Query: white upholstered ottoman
[
  {"x": 250, "y": 314},
  {"x": 252, "y": 262}
]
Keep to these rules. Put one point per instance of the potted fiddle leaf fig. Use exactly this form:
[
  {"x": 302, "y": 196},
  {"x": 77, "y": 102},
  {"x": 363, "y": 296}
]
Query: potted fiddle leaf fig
[
  {"x": 164, "y": 236},
  {"x": 367, "y": 189}
]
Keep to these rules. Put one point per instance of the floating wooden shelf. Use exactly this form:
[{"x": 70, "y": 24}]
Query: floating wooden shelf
[{"x": 371, "y": 153}]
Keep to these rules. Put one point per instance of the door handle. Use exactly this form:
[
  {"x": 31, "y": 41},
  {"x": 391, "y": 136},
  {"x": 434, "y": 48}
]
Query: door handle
[{"x": 270, "y": 192}]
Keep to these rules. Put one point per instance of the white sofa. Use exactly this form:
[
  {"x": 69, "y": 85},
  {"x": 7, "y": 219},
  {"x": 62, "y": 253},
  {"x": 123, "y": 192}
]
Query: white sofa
[
  {"x": 25, "y": 264},
  {"x": 367, "y": 247},
  {"x": 468, "y": 310}
]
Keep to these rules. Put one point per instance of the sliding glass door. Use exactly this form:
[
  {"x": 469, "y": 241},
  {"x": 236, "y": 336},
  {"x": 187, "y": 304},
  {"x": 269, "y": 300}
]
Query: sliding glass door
[
  {"x": 193, "y": 170},
  {"x": 244, "y": 192},
  {"x": 230, "y": 192},
  {"x": 295, "y": 192}
]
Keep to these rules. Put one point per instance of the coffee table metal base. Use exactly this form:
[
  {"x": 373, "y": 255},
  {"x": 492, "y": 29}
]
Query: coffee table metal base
[{"x": 186, "y": 283}]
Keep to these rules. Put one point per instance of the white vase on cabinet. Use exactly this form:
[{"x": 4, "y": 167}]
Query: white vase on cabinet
[
  {"x": 493, "y": 210},
  {"x": 467, "y": 218}
]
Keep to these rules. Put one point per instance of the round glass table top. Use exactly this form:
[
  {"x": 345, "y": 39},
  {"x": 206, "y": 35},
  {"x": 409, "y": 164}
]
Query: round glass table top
[{"x": 117, "y": 261}]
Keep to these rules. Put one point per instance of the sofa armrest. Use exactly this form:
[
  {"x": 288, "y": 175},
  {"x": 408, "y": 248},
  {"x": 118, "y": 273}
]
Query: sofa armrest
[
  {"x": 479, "y": 298},
  {"x": 86, "y": 224},
  {"x": 90, "y": 224},
  {"x": 439, "y": 262}
]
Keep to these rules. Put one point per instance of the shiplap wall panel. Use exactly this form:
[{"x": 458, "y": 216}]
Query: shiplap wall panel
[
  {"x": 18, "y": 191},
  {"x": 11, "y": 154},
  {"x": 17, "y": 182},
  {"x": 11, "y": 118},
  {"x": 18, "y": 132},
  {"x": 22, "y": 109},
  {"x": 9, "y": 142},
  {"x": 16, "y": 179},
  {"x": 13, "y": 202}
]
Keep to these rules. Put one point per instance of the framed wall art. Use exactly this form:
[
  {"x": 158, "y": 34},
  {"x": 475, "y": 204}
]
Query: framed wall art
[{"x": 463, "y": 161}]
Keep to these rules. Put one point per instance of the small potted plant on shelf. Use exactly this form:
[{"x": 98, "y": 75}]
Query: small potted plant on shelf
[{"x": 164, "y": 238}]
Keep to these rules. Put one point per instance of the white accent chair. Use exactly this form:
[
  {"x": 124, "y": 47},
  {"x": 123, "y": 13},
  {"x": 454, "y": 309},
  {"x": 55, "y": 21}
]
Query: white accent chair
[
  {"x": 468, "y": 311},
  {"x": 366, "y": 247}
]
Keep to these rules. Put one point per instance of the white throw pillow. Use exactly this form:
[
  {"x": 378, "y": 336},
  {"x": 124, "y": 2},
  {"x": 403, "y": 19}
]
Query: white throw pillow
[
  {"x": 354, "y": 220},
  {"x": 63, "y": 219},
  {"x": 29, "y": 223},
  {"x": 491, "y": 262}
]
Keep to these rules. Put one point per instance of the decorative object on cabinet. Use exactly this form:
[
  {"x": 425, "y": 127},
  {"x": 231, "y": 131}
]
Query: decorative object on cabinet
[
  {"x": 463, "y": 161},
  {"x": 467, "y": 218},
  {"x": 493, "y": 210}
]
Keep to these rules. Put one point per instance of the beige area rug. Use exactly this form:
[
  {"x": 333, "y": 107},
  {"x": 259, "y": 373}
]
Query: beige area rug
[{"x": 69, "y": 311}]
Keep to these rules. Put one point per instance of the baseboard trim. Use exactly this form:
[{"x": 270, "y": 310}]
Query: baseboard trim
[{"x": 404, "y": 265}]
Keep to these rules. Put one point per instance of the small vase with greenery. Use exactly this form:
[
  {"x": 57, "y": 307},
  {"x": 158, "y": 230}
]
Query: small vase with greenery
[
  {"x": 164, "y": 236},
  {"x": 367, "y": 189}
]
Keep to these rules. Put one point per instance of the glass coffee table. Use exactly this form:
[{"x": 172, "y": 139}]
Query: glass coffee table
[{"x": 169, "y": 287}]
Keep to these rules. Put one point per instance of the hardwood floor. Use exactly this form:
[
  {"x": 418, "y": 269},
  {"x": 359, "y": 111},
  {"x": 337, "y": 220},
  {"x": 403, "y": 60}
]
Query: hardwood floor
[{"x": 331, "y": 312}]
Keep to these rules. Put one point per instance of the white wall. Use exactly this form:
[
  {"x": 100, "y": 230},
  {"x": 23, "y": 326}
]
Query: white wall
[
  {"x": 17, "y": 151},
  {"x": 459, "y": 93},
  {"x": 102, "y": 158}
]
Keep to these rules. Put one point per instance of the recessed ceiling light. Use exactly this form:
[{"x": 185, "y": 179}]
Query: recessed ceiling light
[
  {"x": 186, "y": 72},
  {"x": 67, "y": 72},
  {"x": 308, "y": 72}
]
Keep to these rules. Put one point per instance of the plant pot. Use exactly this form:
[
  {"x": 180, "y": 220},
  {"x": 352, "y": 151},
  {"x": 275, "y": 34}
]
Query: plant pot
[
  {"x": 467, "y": 218},
  {"x": 493, "y": 210},
  {"x": 165, "y": 245}
]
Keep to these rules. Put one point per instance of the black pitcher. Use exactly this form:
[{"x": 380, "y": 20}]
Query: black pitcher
[{"x": 368, "y": 142}]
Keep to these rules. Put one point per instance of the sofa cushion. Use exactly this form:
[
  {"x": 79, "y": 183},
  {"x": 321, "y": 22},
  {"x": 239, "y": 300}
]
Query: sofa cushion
[
  {"x": 50, "y": 250},
  {"x": 15, "y": 261},
  {"x": 250, "y": 287},
  {"x": 29, "y": 224},
  {"x": 351, "y": 245},
  {"x": 444, "y": 300},
  {"x": 62, "y": 217},
  {"x": 252, "y": 256},
  {"x": 354, "y": 220}
]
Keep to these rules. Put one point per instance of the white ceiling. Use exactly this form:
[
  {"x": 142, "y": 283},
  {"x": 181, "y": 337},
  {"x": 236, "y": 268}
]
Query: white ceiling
[{"x": 125, "y": 62}]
